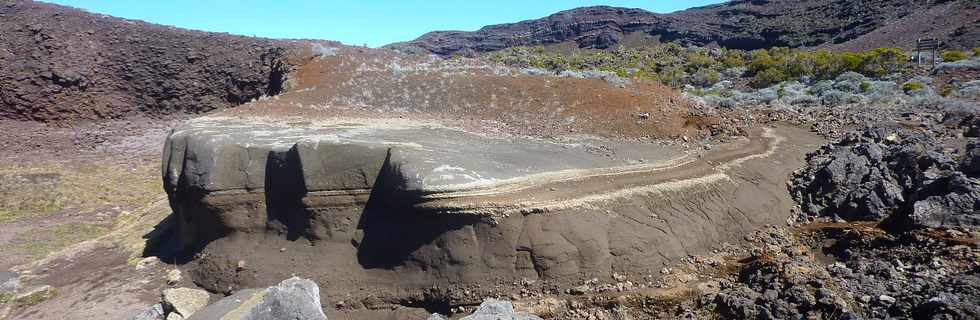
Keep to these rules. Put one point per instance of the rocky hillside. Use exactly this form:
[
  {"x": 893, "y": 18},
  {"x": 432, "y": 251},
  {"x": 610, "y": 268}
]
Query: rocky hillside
[
  {"x": 63, "y": 64},
  {"x": 746, "y": 24}
]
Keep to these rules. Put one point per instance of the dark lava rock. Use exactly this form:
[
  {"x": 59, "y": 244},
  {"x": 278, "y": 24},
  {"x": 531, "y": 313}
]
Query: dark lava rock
[
  {"x": 881, "y": 173},
  {"x": 970, "y": 164},
  {"x": 63, "y": 64},
  {"x": 949, "y": 201},
  {"x": 872, "y": 275}
]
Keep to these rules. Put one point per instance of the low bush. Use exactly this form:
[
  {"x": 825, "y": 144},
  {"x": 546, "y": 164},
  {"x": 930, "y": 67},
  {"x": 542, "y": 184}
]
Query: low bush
[
  {"x": 768, "y": 77},
  {"x": 912, "y": 86},
  {"x": 883, "y": 93},
  {"x": 677, "y": 66},
  {"x": 804, "y": 100},
  {"x": 967, "y": 64},
  {"x": 953, "y": 55},
  {"x": 705, "y": 77},
  {"x": 946, "y": 91}
]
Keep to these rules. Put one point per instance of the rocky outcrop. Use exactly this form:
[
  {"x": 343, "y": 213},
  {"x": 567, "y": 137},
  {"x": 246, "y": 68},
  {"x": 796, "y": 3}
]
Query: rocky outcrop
[
  {"x": 734, "y": 24},
  {"x": 402, "y": 205},
  {"x": 63, "y": 64},
  {"x": 890, "y": 173}
]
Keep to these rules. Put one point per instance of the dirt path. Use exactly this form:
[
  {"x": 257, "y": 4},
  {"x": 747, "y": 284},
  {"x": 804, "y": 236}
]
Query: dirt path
[{"x": 588, "y": 188}]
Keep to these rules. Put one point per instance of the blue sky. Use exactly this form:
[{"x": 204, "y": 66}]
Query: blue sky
[{"x": 356, "y": 22}]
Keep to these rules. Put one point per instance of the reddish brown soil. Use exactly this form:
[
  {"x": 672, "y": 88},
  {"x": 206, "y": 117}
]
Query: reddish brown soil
[{"x": 365, "y": 83}]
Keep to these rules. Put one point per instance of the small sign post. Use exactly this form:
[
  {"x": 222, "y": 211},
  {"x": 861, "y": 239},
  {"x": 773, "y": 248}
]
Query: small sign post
[{"x": 930, "y": 44}]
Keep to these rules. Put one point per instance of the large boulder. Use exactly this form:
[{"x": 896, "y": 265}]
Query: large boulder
[
  {"x": 293, "y": 298},
  {"x": 950, "y": 201},
  {"x": 970, "y": 164}
]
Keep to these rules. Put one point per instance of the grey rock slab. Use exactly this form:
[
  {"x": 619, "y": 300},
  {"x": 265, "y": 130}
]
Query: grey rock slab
[
  {"x": 435, "y": 316},
  {"x": 493, "y": 309},
  {"x": 293, "y": 298},
  {"x": 185, "y": 301},
  {"x": 154, "y": 312},
  {"x": 230, "y": 306},
  {"x": 9, "y": 281}
]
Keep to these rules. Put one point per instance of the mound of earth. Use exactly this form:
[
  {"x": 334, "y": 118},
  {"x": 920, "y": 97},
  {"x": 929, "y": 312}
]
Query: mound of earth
[
  {"x": 64, "y": 64},
  {"x": 735, "y": 24}
]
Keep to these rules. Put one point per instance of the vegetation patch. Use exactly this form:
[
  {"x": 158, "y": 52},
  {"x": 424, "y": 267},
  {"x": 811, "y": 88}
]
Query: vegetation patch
[
  {"x": 912, "y": 86},
  {"x": 40, "y": 189},
  {"x": 953, "y": 55},
  {"x": 29, "y": 193},
  {"x": 677, "y": 66},
  {"x": 40, "y": 242},
  {"x": 35, "y": 297}
]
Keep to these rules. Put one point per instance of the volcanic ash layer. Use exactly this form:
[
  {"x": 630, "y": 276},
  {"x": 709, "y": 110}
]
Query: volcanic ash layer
[{"x": 377, "y": 207}]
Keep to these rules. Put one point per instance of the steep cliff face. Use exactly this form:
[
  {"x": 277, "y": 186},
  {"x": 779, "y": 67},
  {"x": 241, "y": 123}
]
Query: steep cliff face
[
  {"x": 736, "y": 24},
  {"x": 62, "y": 64}
]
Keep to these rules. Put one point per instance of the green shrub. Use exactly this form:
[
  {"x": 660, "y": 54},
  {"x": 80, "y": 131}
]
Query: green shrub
[
  {"x": 705, "y": 77},
  {"x": 953, "y": 55},
  {"x": 851, "y": 61},
  {"x": 912, "y": 86},
  {"x": 976, "y": 52},
  {"x": 768, "y": 77},
  {"x": 946, "y": 91},
  {"x": 676, "y": 65},
  {"x": 760, "y": 60},
  {"x": 865, "y": 86},
  {"x": 882, "y": 61},
  {"x": 672, "y": 76},
  {"x": 697, "y": 61},
  {"x": 734, "y": 58},
  {"x": 825, "y": 64}
]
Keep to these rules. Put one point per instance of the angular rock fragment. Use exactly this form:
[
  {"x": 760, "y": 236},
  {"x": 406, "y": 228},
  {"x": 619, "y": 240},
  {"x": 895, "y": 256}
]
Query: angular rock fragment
[
  {"x": 184, "y": 301},
  {"x": 493, "y": 309},
  {"x": 154, "y": 312},
  {"x": 294, "y": 298}
]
